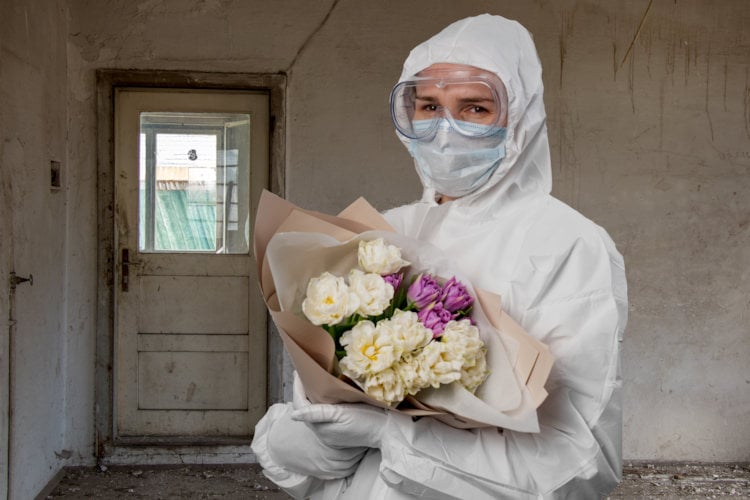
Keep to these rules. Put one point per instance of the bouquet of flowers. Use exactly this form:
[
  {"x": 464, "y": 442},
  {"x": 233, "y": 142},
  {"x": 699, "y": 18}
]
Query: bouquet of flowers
[
  {"x": 391, "y": 339},
  {"x": 371, "y": 316}
]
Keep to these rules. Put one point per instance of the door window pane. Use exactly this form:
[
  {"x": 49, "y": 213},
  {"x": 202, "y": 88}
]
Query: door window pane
[{"x": 194, "y": 182}]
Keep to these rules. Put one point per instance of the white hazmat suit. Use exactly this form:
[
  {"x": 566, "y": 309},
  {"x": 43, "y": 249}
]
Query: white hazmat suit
[{"x": 559, "y": 275}]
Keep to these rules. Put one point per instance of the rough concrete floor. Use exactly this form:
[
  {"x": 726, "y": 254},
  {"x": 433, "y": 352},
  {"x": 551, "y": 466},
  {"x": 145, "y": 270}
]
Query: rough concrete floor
[{"x": 668, "y": 481}]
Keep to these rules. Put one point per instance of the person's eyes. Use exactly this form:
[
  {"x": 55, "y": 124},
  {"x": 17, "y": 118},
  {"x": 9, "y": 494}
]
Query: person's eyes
[
  {"x": 429, "y": 108},
  {"x": 478, "y": 110}
]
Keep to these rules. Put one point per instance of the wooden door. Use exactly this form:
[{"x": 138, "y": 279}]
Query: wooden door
[{"x": 190, "y": 327}]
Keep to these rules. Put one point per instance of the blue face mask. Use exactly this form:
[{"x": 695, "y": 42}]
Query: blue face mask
[{"x": 455, "y": 164}]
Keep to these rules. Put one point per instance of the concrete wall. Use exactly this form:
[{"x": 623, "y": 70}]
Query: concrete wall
[
  {"x": 650, "y": 135},
  {"x": 34, "y": 229}
]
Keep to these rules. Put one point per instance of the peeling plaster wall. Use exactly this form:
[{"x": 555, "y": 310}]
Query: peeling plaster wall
[
  {"x": 33, "y": 133},
  {"x": 649, "y": 129},
  {"x": 653, "y": 141}
]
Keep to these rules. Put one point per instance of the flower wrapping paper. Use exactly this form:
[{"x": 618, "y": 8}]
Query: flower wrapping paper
[{"x": 293, "y": 245}]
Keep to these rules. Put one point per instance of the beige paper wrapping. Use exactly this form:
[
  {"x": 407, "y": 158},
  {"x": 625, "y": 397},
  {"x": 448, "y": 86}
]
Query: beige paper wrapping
[{"x": 303, "y": 244}]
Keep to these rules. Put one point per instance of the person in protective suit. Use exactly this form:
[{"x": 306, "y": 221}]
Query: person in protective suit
[{"x": 469, "y": 108}]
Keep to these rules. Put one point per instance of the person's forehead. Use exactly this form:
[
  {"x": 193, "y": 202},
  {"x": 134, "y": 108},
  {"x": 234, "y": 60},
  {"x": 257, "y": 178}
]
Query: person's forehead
[
  {"x": 442, "y": 69},
  {"x": 483, "y": 79},
  {"x": 468, "y": 91}
]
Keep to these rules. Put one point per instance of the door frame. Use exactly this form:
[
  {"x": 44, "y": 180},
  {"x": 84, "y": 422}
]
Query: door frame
[{"x": 107, "y": 448}]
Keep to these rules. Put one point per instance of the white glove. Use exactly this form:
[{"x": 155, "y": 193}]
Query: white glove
[
  {"x": 281, "y": 442},
  {"x": 344, "y": 425}
]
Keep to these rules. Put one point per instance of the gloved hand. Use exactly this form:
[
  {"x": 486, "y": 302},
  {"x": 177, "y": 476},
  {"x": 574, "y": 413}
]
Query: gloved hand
[
  {"x": 344, "y": 425},
  {"x": 283, "y": 444}
]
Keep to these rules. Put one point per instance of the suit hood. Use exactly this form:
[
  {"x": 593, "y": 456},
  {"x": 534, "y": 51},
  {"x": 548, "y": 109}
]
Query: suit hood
[{"x": 506, "y": 48}]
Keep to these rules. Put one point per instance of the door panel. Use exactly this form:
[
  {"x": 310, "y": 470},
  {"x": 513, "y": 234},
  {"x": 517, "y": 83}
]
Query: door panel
[
  {"x": 190, "y": 329},
  {"x": 169, "y": 380},
  {"x": 194, "y": 304}
]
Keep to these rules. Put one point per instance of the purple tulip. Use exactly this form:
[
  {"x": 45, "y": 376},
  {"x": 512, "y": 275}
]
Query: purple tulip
[
  {"x": 435, "y": 318},
  {"x": 455, "y": 297},
  {"x": 424, "y": 291},
  {"x": 394, "y": 279}
]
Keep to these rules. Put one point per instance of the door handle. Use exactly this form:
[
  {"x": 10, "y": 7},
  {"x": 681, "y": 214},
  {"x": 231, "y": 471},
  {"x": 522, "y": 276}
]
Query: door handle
[
  {"x": 125, "y": 269},
  {"x": 16, "y": 280}
]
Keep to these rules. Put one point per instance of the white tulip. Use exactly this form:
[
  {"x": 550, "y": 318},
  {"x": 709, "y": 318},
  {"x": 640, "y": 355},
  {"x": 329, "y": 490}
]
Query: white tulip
[
  {"x": 329, "y": 300},
  {"x": 463, "y": 344},
  {"x": 409, "y": 330},
  {"x": 473, "y": 376},
  {"x": 379, "y": 257},
  {"x": 369, "y": 349},
  {"x": 385, "y": 386},
  {"x": 436, "y": 365},
  {"x": 374, "y": 293}
]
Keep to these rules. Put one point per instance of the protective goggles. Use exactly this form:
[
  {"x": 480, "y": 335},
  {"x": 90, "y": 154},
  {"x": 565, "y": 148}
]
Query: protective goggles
[{"x": 473, "y": 105}]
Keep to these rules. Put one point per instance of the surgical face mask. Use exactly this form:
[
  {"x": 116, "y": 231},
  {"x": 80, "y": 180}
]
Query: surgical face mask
[{"x": 453, "y": 163}]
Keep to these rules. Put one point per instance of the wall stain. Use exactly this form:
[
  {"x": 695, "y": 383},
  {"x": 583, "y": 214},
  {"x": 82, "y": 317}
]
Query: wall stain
[
  {"x": 670, "y": 58},
  {"x": 661, "y": 113},
  {"x": 190, "y": 391},
  {"x": 641, "y": 133},
  {"x": 694, "y": 40},
  {"x": 649, "y": 45},
  {"x": 726, "y": 71},
  {"x": 614, "y": 59},
  {"x": 708, "y": 86},
  {"x": 631, "y": 82},
  {"x": 663, "y": 184},
  {"x": 562, "y": 56},
  {"x": 566, "y": 27},
  {"x": 686, "y": 57},
  {"x": 629, "y": 56},
  {"x": 568, "y": 165},
  {"x": 614, "y": 48}
]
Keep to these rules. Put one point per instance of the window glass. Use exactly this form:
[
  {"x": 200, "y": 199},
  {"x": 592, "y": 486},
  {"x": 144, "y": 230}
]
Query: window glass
[{"x": 194, "y": 182}]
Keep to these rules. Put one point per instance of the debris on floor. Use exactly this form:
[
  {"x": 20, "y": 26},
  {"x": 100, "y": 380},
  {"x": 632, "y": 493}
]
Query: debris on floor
[
  {"x": 640, "y": 480},
  {"x": 684, "y": 481},
  {"x": 166, "y": 483}
]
